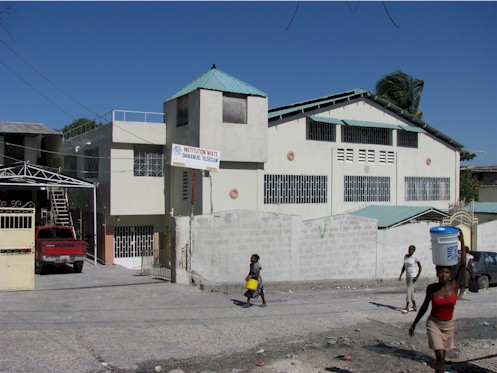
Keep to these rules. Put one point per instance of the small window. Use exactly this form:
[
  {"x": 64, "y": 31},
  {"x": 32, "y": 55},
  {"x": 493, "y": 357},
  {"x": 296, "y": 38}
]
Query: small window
[
  {"x": 185, "y": 186},
  {"x": 234, "y": 108},
  {"x": 407, "y": 139},
  {"x": 182, "y": 118}
]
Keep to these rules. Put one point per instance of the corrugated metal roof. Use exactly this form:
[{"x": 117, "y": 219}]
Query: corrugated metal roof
[
  {"x": 313, "y": 104},
  {"x": 281, "y": 112},
  {"x": 217, "y": 80},
  {"x": 27, "y": 128},
  {"x": 482, "y": 207},
  {"x": 390, "y": 216}
]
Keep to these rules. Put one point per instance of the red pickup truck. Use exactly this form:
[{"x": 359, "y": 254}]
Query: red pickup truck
[{"x": 58, "y": 245}]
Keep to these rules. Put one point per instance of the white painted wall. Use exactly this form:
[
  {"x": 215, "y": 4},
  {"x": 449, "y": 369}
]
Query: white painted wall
[
  {"x": 320, "y": 158},
  {"x": 487, "y": 236}
]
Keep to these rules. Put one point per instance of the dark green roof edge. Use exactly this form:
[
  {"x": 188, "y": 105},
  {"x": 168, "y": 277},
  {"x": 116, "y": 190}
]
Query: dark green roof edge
[{"x": 303, "y": 107}]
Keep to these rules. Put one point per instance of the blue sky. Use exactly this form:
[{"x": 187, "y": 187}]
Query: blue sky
[{"x": 134, "y": 55}]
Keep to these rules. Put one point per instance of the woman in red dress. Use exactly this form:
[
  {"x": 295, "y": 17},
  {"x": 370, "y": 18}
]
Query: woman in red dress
[{"x": 443, "y": 296}]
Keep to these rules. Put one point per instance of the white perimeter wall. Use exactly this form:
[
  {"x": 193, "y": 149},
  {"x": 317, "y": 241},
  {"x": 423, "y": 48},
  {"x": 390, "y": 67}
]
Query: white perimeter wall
[
  {"x": 487, "y": 236},
  {"x": 330, "y": 248}
]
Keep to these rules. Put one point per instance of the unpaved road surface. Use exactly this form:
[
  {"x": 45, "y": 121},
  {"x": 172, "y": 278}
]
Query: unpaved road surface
[{"x": 108, "y": 320}]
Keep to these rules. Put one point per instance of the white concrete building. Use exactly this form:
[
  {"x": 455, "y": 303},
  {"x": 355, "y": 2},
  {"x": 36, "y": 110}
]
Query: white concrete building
[{"x": 317, "y": 158}]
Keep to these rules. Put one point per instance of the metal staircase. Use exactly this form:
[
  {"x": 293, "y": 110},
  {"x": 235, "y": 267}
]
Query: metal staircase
[{"x": 59, "y": 207}]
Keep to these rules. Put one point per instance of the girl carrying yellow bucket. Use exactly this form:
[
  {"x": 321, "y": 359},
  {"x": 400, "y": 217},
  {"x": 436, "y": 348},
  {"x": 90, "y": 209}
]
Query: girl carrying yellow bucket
[{"x": 254, "y": 283}]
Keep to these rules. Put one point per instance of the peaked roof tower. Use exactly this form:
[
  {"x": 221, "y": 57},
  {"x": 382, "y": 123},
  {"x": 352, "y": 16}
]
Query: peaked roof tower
[{"x": 217, "y": 80}]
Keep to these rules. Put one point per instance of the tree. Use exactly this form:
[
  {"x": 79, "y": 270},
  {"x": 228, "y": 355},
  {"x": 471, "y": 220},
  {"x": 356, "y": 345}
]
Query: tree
[
  {"x": 469, "y": 187},
  {"x": 78, "y": 127},
  {"x": 467, "y": 156},
  {"x": 402, "y": 90}
]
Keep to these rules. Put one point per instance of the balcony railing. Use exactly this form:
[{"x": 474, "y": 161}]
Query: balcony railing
[{"x": 115, "y": 115}]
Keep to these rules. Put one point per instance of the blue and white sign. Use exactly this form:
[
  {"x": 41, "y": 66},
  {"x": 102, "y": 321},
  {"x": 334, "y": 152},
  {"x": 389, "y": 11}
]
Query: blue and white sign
[{"x": 197, "y": 158}]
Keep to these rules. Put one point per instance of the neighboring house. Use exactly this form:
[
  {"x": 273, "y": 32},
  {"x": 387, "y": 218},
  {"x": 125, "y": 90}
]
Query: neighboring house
[
  {"x": 316, "y": 158},
  {"x": 32, "y": 142},
  {"x": 125, "y": 158},
  {"x": 484, "y": 211},
  {"x": 31, "y": 173},
  {"x": 487, "y": 177},
  {"x": 35, "y": 144}
]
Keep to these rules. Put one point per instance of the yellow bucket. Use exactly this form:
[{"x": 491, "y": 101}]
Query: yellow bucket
[{"x": 252, "y": 284}]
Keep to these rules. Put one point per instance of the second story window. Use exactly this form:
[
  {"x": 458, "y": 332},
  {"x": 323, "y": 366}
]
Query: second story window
[
  {"x": 407, "y": 139},
  {"x": 182, "y": 117},
  {"x": 367, "y": 135},
  {"x": 234, "y": 108},
  {"x": 91, "y": 164},
  {"x": 148, "y": 161},
  {"x": 320, "y": 131}
]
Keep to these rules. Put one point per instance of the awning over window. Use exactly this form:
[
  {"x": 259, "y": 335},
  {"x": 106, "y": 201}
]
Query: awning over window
[{"x": 362, "y": 123}]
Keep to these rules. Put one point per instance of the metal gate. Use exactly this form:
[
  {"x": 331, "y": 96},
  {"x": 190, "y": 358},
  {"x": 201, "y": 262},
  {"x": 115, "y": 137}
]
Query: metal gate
[
  {"x": 137, "y": 246},
  {"x": 157, "y": 265}
]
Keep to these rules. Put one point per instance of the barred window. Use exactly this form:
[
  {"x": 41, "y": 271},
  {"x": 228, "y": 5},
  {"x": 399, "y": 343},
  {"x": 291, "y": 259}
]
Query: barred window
[
  {"x": 148, "y": 161},
  {"x": 345, "y": 155},
  {"x": 407, "y": 139},
  {"x": 182, "y": 117},
  {"x": 366, "y": 189},
  {"x": 133, "y": 241},
  {"x": 234, "y": 108},
  {"x": 320, "y": 131},
  {"x": 281, "y": 189},
  {"x": 91, "y": 164},
  {"x": 427, "y": 189},
  {"x": 367, "y": 135}
]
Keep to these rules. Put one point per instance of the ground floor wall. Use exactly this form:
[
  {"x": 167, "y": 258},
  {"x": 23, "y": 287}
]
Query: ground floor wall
[{"x": 216, "y": 248}]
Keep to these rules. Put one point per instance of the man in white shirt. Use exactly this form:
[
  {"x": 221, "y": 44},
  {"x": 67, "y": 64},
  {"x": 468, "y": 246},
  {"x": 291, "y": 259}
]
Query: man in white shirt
[{"x": 412, "y": 267}]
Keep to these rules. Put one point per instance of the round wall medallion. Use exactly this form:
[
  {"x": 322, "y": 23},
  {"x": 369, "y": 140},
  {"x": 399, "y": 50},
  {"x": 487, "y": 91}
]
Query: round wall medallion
[
  {"x": 428, "y": 161},
  {"x": 290, "y": 156},
  {"x": 234, "y": 193}
]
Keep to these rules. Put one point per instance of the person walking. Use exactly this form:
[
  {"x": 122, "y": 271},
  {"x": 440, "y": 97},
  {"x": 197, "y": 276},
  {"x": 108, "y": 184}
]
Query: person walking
[
  {"x": 255, "y": 273},
  {"x": 468, "y": 273},
  {"x": 443, "y": 297},
  {"x": 412, "y": 267}
]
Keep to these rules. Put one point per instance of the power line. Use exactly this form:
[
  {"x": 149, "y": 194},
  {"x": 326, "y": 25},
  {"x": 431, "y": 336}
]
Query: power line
[
  {"x": 46, "y": 78},
  {"x": 388, "y": 13},
  {"x": 59, "y": 169},
  {"x": 350, "y": 7},
  {"x": 294, "y": 14},
  {"x": 60, "y": 153},
  {"x": 36, "y": 90}
]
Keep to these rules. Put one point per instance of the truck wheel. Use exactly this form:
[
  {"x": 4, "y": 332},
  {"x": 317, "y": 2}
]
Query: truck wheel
[
  {"x": 78, "y": 267},
  {"x": 483, "y": 282}
]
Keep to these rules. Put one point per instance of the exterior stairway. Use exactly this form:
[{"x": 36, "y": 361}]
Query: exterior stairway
[{"x": 60, "y": 207}]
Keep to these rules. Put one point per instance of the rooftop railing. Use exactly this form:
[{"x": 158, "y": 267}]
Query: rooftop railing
[{"x": 112, "y": 116}]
